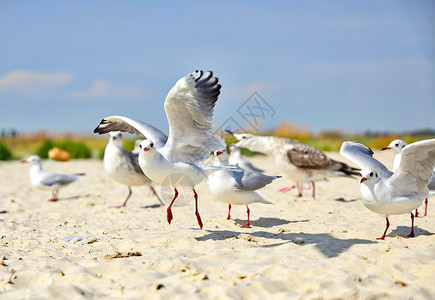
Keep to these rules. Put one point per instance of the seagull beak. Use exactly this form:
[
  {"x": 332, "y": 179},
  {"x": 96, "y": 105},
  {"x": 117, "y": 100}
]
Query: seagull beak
[
  {"x": 363, "y": 179},
  {"x": 385, "y": 148},
  {"x": 146, "y": 149},
  {"x": 24, "y": 161},
  {"x": 229, "y": 132},
  {"x": 218, "y": 153}
]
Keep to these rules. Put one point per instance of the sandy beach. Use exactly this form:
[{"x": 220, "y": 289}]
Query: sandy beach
[{"x": 79, "y": 248}]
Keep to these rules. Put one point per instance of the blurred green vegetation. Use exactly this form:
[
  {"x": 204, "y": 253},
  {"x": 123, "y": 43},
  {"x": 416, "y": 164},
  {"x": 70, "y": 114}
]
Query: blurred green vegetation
[
  {"x": 92, "y": 146},
  {"x": 5, "y": 153}
]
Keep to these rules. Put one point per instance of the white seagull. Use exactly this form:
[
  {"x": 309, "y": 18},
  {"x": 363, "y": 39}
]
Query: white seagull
[
  {"x": 236, "y": 159},
  {"x": 48, "y": 180},
  {"x": 388, "y": 193},
  {"x": 237, "y": 187},
  {"x": 300, "y": 162},
  {"x": 174, "y": 160},
  {"x": 123, "y": 166},
  {"x": 397, "y": 147}
]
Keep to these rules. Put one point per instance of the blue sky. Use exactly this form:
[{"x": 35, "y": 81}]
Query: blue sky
[{"x": 348, "y": 65}]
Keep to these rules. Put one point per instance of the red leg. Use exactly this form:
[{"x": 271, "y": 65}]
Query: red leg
[
  {"x": 198, "y": 217},
  {"x": 287, "y": 188},
  {"x": 412, "y": 226},
  {"x": 425, "y": 208},
  {"x": 383, "y": 236},
  {"x": 247, "y": 225},
  {"x": 168, "y": 210},
  {"x": 229, "y": 210},
  {"x": 54, "y": 195},
  {"x": 416, "y": 212}
]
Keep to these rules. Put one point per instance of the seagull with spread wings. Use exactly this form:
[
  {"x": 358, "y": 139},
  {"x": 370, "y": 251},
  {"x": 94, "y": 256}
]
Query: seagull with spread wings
[
  {"x": 388, "y": 193},
  {"x": 175, "y": 159},
  {"x": 397, "y": 147}
]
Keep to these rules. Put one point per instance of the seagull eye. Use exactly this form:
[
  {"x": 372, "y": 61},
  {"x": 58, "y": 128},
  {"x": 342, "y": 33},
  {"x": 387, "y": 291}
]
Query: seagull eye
[
  {"x": 151, "y": 144},
  {"x": 371, "y": 174},
  {"x": 397, "y": 145}
]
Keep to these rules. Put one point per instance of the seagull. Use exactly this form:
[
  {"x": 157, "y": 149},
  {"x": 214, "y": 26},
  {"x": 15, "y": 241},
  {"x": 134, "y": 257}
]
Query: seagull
[
  {"x": 300, "y": 162},
  {"x": 388, "y": 193},
  {"x": 397, "y": 147},
  {"x": 175, "y": 159},
  {"x": 236, "y": 159},
  {"x": 47, "y": 180},
  {"x": 123, "y": 166},
  {"x": 237, "y": 187}
]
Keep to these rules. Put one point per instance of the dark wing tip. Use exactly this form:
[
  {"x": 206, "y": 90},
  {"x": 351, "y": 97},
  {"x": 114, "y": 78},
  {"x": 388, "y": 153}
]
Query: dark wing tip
[{"x": 99, "y": 129}]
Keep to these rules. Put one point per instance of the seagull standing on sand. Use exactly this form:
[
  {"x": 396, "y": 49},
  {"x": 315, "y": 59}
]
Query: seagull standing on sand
[
  {"x": 123, "y": 166},
  {"x": 397, "y": 147},
  {"x": 237, "y": 187},
  {"x": 174, "y": 160},
  {"x": 300, "y": 162},
  {"x": 48, "y": 180},
  {"x": 388, "y": 193}
]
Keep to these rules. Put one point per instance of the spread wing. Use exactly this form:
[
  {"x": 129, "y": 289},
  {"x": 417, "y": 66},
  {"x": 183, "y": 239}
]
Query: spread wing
[
  {"x": 362, "y": 156},
  {"x": 189, "y": 108},
  {"x": 119, "y": 123},
  {"x": 416, "y": 166}
]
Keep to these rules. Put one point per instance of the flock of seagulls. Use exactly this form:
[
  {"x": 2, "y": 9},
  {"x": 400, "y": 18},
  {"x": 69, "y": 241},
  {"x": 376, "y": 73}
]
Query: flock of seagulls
[{"x": 177, "y": 159}]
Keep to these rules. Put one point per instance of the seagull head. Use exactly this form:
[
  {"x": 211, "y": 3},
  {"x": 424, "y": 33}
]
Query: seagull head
[
  {"x": 396, "y": 145},
  {"x": 222, "y": 157},
  {"x": 369, "y": 176},
  {"x": 115, "y": 137},
  {"x": 147, "y": 146},
  {"x": 33, "y": 160},
  {"x": 246, "y": 140}
]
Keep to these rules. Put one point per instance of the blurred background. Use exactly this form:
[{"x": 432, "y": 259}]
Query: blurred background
[{"x": 317, "y": 71}]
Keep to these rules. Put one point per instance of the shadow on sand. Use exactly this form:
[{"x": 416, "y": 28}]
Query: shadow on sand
[{"x": 330, "y": 246}]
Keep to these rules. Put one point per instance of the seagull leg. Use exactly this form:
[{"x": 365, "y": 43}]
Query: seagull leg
[
  {"x": 416, "y": 213},
  {"x": 287, "y": 188},
  {"x": 125, "y": 201},
  {"x": 198, "y": 217},
  {"x": 155, "y": 194},
  {"x": 247, "y": 225},
  {"x": 412, "y": 227},
  {"x": 229, "y": 210},
  {"x": 383, "y": 236},
  {"x": 300, "y": 189},
  {"x": 425, "y": 208},
  {"x": 168, "y": 210},
  {"x": 54, "y": 195},
  {"x": 314, "y": 190}
]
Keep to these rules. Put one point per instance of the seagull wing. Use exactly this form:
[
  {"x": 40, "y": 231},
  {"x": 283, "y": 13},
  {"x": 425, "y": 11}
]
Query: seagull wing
[
  {"x": 119, "y": 123},
  {"x": 362, "y": 156},
  {"x": 251, "y": 181},
  {"x": 53, "y": 179},
  {"x": 189, "y": 108},
  {"x": 416, "y": 167}
]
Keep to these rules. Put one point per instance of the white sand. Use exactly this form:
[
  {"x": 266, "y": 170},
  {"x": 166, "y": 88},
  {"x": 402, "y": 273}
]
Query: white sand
[{"x": 297, "y": 248}]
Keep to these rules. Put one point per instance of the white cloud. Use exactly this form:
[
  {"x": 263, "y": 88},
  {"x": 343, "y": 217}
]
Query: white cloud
[
  {"x": 29, "y": 82},
  {"x": 106, "y": 89}
]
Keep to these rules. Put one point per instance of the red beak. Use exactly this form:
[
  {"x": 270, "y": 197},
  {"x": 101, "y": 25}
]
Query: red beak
[
  {"x": 363, "y": 179},
  {"x": 385, "y": 148},
  {"x": 218, "y": 153},
  {"x": 24, "y": 161},
  {"x": 146, "y": 149}
]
